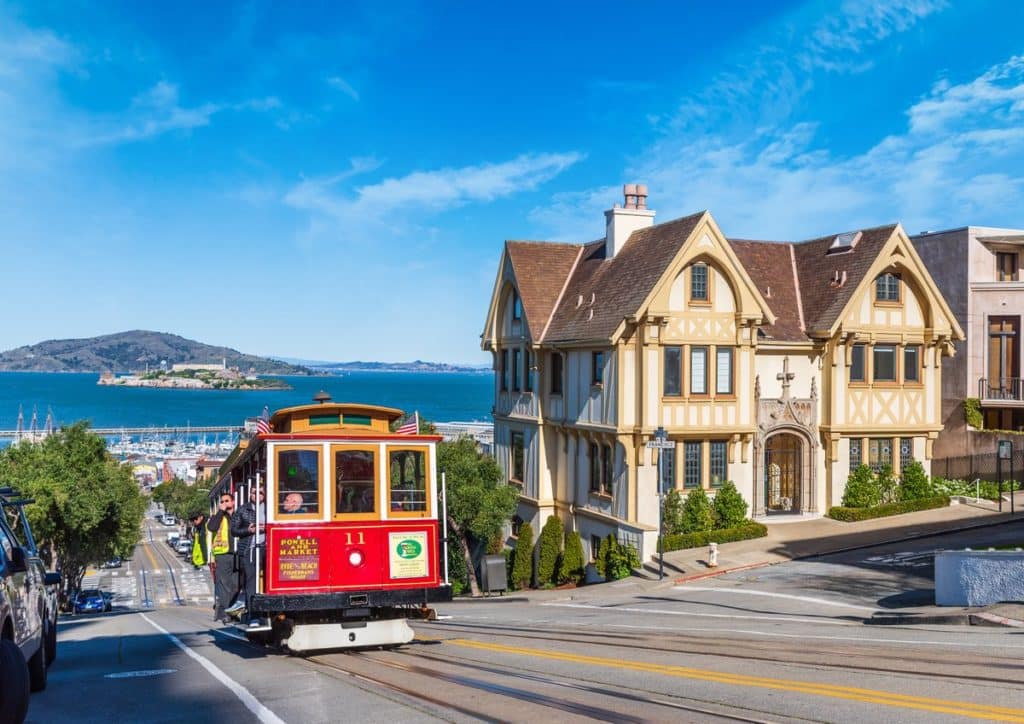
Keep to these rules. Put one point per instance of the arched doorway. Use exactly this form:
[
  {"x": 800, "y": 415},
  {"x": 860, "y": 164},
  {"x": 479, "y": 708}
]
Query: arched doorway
[{"x": 783, "y": 461}]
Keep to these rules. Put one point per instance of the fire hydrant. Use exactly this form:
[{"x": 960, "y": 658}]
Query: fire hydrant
[{"x": 712, "y": 555}]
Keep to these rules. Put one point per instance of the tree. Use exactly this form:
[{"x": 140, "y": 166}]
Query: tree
[
  {"x": 698, "y": 516},
  {"x": 915, "y": 483},
  {"x": 87, "y": 507},
  {"x": 181, "y": 499},
  {"x": 730, "y": 508},
  {"x": 549, "y": 547},
  {"x": 571, "y": 567},
  {"x": 522, "y": 564},
  {"x": 673, "y": 512},
  {"x": 479, "y": 503},
  {"x": 861, "y": 489}
]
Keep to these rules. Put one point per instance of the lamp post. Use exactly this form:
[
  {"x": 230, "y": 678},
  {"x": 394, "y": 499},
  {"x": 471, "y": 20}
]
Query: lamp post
[{"x": 661, "y": 436}]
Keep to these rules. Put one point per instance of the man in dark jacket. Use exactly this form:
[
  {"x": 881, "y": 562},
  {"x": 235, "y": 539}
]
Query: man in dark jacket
[
  {"x": 243, "y": 526},
  {"x": 222, "y": 549}
]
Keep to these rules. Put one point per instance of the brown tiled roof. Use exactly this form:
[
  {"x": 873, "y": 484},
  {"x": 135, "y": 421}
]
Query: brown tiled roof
[
  {"x": 541, "y": 269},
  {"x": 617, "y": 286},
  {"x": 823, "y": 302},
  {"x": 770, "y": 266}
]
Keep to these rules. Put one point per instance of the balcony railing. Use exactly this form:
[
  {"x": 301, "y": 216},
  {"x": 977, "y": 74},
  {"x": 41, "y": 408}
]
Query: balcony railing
[{"x": 1010, "y": 389}]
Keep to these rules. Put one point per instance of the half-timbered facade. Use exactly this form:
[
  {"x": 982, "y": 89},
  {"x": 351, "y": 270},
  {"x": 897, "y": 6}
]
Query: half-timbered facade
[{"x": 775, "y": 365}]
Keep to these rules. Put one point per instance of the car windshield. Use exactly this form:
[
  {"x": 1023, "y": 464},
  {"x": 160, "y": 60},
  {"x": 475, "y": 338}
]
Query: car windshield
[{"x": 90, "y": 594}]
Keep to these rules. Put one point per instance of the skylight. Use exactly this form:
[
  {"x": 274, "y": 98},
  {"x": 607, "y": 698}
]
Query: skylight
[{"x": 844, "y": 242}]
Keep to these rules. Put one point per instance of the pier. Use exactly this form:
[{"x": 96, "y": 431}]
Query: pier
[{"x": 151, "y": 430}]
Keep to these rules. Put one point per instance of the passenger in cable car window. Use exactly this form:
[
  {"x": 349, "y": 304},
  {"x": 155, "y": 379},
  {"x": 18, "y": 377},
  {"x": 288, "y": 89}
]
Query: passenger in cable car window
[
  {"x": 293, "y": 503},
  {"x": 397, "y": 500},
  {"x": 364, "y": 503}
]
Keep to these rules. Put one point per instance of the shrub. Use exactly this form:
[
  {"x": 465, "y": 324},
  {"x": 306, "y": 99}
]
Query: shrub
[
  {"x": 888, "y": 486},
  {"x": 850, "y": 515},
  {"x": 549, "y": 550},
  {"x": 729, "y": 507},
  {"x": 744, "y": 531},
  {"x": 522, "y": 565},
  {"x": 915, "y": 483},
  {"x": 672, "y": 514},
  {"x": 697, "y": 513},
  {"x": 861, "y": 489},
  {"x": 571, "y": 566},
  {"x": 458, "y": 574},
  {"x": 972, "y": 413},
  {"x": 615, "y": 560},
  {"x": 985, "y": 489}
]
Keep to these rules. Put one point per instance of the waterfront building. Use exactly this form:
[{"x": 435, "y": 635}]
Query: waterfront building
[
  {"x": 978, "y": 270},
  {"x": 777, "y": 365}
]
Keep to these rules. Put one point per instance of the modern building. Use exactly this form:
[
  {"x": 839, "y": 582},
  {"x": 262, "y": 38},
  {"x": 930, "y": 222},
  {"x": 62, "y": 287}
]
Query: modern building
[
  {"x": 978, "y": 270},
  {"x": 776, "y": 365}
]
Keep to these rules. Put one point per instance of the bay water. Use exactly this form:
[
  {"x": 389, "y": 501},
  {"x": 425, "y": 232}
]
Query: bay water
[{"x": 438, "y": 396}]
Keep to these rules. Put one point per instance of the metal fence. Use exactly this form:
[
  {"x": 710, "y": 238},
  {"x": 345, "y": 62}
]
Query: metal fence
[{"x": 979, "y": 465}]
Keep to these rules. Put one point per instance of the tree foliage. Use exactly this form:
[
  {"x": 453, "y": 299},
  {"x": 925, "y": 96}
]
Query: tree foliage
[
  {"x": 522, "y": 563},
  {"x": 888, "y": 485},
  {"x": 571, "y": 567},
  {"x": 87, "y": 507},
  {"x": 698, "y": 515},
  {"x": 181, "y": 499},
  {"x": 479, "y": 503},
  {"x": 673, "y": 512},
  {"x": 729, "y": 507},
  {"x": 915, "y": 484},
  {"x": 549, "y": 550}
]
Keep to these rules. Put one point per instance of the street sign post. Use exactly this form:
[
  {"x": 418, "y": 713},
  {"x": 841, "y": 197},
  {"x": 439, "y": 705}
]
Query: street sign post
[
  {"x": 1004, "y": 451},
  {"x": 661, "y": 442}
]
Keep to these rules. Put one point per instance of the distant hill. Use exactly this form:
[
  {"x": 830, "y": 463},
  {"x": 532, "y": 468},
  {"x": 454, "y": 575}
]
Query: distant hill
[
  {"x": 133, "y": 351},
  {"x": 414, "y": 366}
]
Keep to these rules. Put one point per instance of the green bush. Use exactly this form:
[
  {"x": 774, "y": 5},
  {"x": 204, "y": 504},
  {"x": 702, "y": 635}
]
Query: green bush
[
  {"x": 522, "y": 565},
  {"x": 549, "y": 550},
  {"x": 972, "y": 413},
  {"x": 697, "y": 513},
  {"x": 968, "y": 489},
  {"x": 730, "y": 508},
  {"x": 672, "y": 514},
  {"x": 458, "y": 574},
  {"x": 915, "y": 484},
  {"x": 571, "y": 567},
  {"x": 861, "y": 489},
  {"x": 615, "y": 560},
  {"x": 744, "y": 531},
  {"x": 850, "y": 515},
  {"x": 888, "y": 485}
]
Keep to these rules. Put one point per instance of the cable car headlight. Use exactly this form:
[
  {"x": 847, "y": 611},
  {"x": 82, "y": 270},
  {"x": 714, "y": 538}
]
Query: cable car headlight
[{"x": 355, "y": 558}]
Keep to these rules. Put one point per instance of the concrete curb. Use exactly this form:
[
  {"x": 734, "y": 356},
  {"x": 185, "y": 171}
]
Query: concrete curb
[
  {"x": 909, "y": 619},
  {"x": 990, "y": 619},
  {"x": 490, "y": 599}
]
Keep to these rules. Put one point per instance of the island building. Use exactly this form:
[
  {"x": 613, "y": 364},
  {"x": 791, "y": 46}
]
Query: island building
[
  {"x": 777, "y": 365},
  {"x": 978, "y": 269}
]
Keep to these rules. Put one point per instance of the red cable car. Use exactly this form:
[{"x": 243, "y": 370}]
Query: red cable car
[{"x": 352, "y": 545}]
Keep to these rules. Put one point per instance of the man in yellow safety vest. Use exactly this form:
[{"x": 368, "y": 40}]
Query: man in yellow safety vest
[{"x": 222, "y": 550}]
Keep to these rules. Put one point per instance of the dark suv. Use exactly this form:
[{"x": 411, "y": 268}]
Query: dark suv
[{"x": 28, "y": 610}]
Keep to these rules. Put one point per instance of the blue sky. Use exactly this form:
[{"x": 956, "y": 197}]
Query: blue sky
[{"x": 336, "y": 182}]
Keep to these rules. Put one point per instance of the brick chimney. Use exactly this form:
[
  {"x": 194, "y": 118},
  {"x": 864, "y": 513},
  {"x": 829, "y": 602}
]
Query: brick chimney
[{"x": 622, "y": 221}]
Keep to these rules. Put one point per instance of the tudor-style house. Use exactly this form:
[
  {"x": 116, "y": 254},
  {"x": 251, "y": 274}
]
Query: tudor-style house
[{"x": 776, "y": 365}]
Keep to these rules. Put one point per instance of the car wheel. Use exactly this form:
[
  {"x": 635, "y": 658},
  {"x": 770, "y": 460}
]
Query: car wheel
[
  {"x": 14, "y": 676},
  {"x": 51, "y": 644},
  {"x": 37, "y": 666}
]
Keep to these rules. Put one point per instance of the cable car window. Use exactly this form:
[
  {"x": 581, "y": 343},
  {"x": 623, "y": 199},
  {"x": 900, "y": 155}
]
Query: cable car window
[
  {"x": 298, "y": 482},
  {"x": 408, "y": 473},
  {"x": 354, "y": 479}
]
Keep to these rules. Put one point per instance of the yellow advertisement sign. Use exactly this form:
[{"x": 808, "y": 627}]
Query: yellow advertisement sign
[
  {"x": 407, "y": 554},
  {"x": 298, "y": 559}
]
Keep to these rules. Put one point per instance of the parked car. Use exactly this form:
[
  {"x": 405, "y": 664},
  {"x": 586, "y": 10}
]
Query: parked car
[
  {"x": 27, "y": 630},
  {"x": 173, "y": 538},
  {"x": 184, "y": 546},
  {"x": 169, "y": 519},
  {"x": 92, "y": 600},
  {"x": 114, "y": 562}
]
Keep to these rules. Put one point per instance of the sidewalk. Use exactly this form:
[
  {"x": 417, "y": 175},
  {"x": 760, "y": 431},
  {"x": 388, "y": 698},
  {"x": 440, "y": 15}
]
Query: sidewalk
[{"x": 797, "y": 538}]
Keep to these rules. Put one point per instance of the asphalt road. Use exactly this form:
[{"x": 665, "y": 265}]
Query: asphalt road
[{"x": 785, "y": 643}]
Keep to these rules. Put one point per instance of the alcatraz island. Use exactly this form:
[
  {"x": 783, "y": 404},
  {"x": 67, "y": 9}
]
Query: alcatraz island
[{"x": 194, "y": 376}]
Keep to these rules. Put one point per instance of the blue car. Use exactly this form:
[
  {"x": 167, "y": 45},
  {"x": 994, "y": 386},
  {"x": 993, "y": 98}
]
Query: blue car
[{"x": 91, "y": 601}]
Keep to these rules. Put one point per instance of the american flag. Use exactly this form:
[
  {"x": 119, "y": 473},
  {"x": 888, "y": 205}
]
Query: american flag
[
  {"x": 411, "y": 426},
  {"x": 263, "y": 422}
]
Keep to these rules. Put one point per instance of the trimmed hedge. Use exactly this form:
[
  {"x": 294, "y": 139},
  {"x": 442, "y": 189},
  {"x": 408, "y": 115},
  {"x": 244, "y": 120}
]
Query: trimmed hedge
[
  {"x": 850, "y": 515},
  {"x": 745, "y": 531}
]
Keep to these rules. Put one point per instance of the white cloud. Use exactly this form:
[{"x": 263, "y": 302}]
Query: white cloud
[
  {"x": 344, "y": 86},
  {"x": 425, "y": 191}
]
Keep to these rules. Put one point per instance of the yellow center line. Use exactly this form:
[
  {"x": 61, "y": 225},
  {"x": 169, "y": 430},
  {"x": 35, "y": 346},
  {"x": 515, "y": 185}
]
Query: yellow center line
[
  {"x": 149, "y": 554},
  {"x": 906, "y": 701}
]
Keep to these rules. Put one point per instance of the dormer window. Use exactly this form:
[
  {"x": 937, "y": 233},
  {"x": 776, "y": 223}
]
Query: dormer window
[
  {"x": 1007, "y": 265},
  {"x": 887, "y": 287},
  {"x": 517, "y": 307},
  {"x": 699, "y": 283}
]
